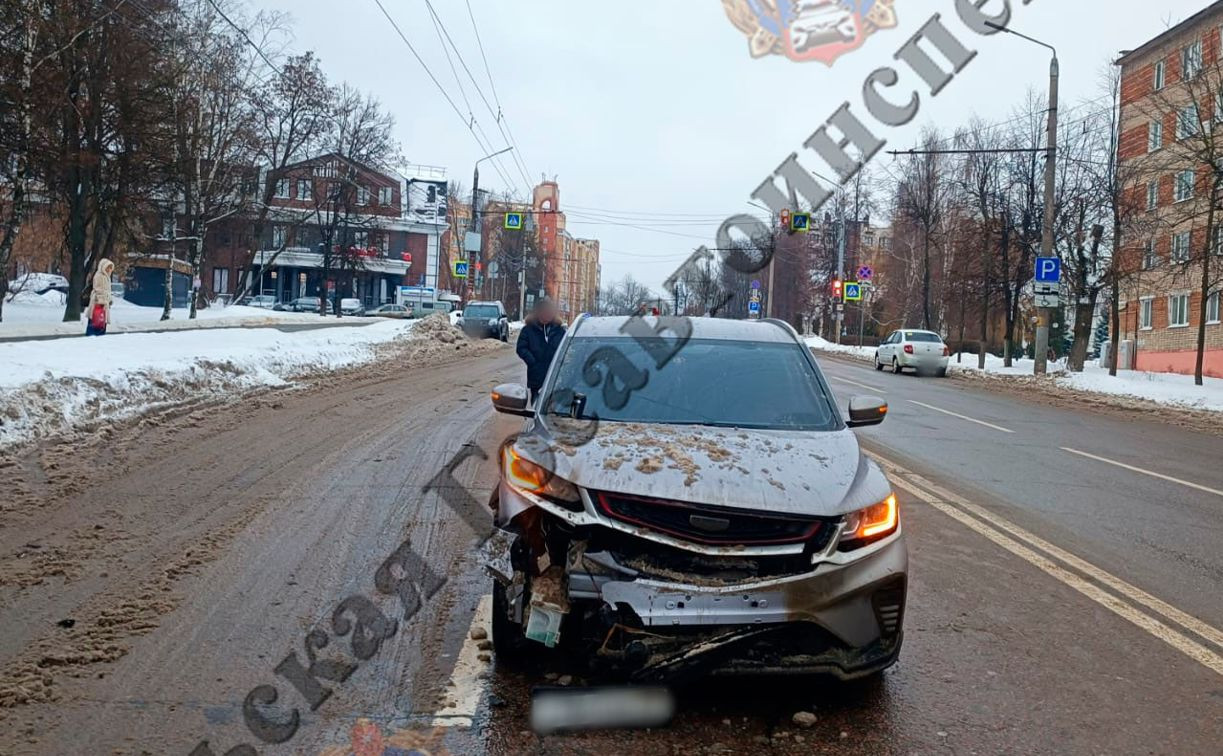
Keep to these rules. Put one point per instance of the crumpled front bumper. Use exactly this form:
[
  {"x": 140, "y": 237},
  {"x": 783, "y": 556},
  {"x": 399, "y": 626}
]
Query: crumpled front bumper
[{"x": 841, "y": 598}]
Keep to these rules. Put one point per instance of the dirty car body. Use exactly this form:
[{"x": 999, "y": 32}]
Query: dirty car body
[{"x": 712, "y": 513}]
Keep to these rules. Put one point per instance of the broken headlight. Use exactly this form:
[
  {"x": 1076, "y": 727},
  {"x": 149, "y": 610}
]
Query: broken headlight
[
  {"x": 870, "y": 524},
  {"x": 525, "y": 475}
]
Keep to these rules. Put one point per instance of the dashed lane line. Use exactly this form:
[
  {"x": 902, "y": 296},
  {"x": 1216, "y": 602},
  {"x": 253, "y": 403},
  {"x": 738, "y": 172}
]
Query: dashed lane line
[
  {"x": 1151, "y": 473},
  {"x": 962, "y": 417},
  {"x": 997, "y": 529},
  {"x": 466, "y": 683},
  {"x": 866, "y": 386}
]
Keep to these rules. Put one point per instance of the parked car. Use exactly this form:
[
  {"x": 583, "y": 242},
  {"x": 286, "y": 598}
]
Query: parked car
[
  {"x": 699, "y": 519},
  {"x": 283, "y": 307},
  {"x": 265, "y": 301},
  {"x": 390, "y": 311},
  {"x": 352, "y": 307},
  {"x": 486, "y": 320},
  {"x": 425, "y": 309},
  {"x": 305, "y": 304},
  {"x": 921, "y": 351}
]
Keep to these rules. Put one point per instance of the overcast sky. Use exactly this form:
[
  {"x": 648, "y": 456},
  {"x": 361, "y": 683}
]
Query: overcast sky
[{"x": 652, "y": 113}]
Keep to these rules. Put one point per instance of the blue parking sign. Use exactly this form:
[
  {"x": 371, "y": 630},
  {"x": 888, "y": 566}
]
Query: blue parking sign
[
  {"x": 753, "y": 307},
  {"x": 1048, "y": 269}
]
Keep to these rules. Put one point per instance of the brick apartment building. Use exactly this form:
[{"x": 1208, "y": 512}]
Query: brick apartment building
[
  {"x": 1171, "y": 96},
  {"x": 391, "y": 239},
  {"x": 565, "y": 268}
]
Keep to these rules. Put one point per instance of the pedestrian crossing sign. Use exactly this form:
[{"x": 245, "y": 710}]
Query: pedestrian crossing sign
[
  {"x": 853, "y": 291},
  {"x": 800, "y": 223},
  {"x": 513, "y": 221},
  {"x": 460, "y": 268}
]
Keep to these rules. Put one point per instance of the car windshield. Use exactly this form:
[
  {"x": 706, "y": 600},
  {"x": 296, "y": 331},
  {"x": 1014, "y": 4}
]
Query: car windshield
[
  {"x": 932, "y": 338},
  {"x": 708, "y": 382},
  {"x": 481, "y": 311}
]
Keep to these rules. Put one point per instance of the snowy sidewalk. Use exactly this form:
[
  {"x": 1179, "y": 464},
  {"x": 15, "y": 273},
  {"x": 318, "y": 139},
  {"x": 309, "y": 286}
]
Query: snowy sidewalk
[
  {"x": 49, "y": 386},
  {"x": 31, "y": 315},
  {"x": 1166, "y": 389}
]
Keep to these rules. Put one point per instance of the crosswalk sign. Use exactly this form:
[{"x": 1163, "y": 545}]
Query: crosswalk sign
[
  {"x": 513, "y": 221},
  {"x": 800, "y": 223},
  {"x": 460, "y": 268},
  {"x": 853, "y": 291}
]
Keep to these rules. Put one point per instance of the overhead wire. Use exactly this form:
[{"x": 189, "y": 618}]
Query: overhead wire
[{"x": 496, "y": 114}]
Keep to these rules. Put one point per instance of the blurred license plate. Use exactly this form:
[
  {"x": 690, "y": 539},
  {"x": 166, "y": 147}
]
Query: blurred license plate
[{"x": 556, "y": 709}]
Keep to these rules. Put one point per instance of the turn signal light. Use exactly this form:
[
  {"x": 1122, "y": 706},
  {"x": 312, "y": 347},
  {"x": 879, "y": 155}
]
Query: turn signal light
[
  {"x": 868, "y": 524},
  {"x": 880, "y": 518},
  {"x": 523, "y": 473}
]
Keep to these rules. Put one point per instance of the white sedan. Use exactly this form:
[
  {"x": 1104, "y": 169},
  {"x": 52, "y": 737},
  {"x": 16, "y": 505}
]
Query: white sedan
[{"x": 922, "y": 351}]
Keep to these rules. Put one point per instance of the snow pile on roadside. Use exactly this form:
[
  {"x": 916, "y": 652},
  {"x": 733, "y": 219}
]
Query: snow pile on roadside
[
  {"x": 435, "y": 336},
  {"x": 822, "y": 345},
  {"x": 49, "y": 387},
  {"x": 1169, "y": 389}
]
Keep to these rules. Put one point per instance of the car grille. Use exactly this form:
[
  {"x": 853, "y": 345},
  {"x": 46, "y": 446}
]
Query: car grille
[{"x": 711, "y": 525}]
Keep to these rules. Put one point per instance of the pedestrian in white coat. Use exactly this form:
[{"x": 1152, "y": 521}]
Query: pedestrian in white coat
[{"x": 100, "y": 297}]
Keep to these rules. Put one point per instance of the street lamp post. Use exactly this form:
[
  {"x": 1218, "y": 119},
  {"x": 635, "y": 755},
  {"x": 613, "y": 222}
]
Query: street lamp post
[
  {"x": 475, "y": 213},
  {"x": 1045, "y": 314}
]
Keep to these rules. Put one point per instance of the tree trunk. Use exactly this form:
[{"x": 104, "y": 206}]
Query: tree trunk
[
  {"x": 1207, "y": 253},
  {"x": 21, "y": 152},
  {"x": 1084, "y": 320},
  {"x": 1114, "y": 305},
  {"x": 925, "y": 283}
]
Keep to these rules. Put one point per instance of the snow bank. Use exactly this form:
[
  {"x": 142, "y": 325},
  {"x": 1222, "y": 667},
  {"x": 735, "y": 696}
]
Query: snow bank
[
  {"x": 47, "y": 387},
  {"x": 822, "y": 345},
  {"x": 1170, "y": 389},
  {"x": 28, "y": 314}
]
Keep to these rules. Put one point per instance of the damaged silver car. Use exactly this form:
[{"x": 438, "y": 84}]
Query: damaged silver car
[{"x": 687, "y": 498}]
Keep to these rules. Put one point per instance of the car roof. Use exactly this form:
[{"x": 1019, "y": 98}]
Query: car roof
[
  {"x": 702, "y": 328},
  {"x": 918, "y": 330}
]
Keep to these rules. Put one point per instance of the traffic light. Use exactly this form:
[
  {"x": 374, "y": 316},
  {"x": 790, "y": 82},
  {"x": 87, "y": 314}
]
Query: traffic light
[{"x": 836, "y": 288}]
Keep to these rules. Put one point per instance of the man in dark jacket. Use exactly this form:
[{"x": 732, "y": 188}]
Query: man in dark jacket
[{"x": 537, "y": 344}]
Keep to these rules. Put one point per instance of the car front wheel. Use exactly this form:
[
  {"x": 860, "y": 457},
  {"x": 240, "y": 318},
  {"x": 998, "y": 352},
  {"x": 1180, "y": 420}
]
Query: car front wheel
[{"x": 878, "y": 364}]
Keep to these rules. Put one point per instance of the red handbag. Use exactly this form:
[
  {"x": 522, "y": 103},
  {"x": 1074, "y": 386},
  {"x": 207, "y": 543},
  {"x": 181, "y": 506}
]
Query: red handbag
[{"x": 97, "y": 319}]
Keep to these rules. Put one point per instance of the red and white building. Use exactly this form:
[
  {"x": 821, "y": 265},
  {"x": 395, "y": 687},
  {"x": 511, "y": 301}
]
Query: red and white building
[{"x": 1171, "y": 93}]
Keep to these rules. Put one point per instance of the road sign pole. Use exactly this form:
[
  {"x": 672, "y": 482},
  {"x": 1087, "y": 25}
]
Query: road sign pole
[
  {"x": 1044, "y": 315},
  {"x": 866, "y": 292}
]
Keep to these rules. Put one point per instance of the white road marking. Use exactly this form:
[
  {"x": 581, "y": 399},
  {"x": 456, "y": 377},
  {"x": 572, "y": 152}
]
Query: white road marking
[
  {"x": 466, "y": 683},
  {"x": 962, "y": 417},
  {"x": 859, "y": 385},
  {"x": 1153, "y": 474},
  {"x": 991, "y": 525},
  {"x": 1187, "y": 621}
]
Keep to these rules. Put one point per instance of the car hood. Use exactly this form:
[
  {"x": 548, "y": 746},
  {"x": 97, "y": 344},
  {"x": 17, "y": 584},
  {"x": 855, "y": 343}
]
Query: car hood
[{"x": 786, "y": 472}]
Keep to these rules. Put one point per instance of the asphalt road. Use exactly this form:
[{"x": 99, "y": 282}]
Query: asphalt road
[{"x": 1058, "y": 604}]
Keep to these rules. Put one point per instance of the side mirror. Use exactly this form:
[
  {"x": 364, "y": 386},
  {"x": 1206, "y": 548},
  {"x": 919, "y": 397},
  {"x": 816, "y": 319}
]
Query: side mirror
[
  {"x": 511, "y": 399},
  {"x": 866, "y": 410}
]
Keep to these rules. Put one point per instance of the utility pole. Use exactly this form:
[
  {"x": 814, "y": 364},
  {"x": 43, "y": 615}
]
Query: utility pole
[
  {"x": 475, "y": 215},
  {"x": 1044, "y": 314}
]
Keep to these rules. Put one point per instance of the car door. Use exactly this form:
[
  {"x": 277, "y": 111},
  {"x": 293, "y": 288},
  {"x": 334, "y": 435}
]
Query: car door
[{"x": 886, "y": 349}]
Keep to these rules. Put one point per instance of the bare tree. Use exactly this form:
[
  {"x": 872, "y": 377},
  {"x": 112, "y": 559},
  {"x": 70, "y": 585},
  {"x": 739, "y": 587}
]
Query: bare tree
[
  {"x": 291, "y": 115},
  {"x": 16, "y": 125},
  {"x": 359, "y": 138},
  {"x": 922, "y": 200}
]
